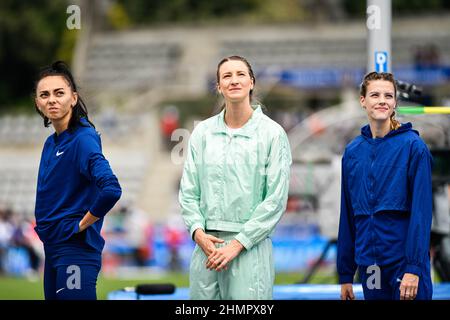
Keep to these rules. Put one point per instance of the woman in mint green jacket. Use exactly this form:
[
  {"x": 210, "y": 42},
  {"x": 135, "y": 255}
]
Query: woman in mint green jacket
[{"x": 233, "y": 192}]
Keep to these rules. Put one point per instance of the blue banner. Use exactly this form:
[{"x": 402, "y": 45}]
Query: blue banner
[{"x": 329, "y": 77}]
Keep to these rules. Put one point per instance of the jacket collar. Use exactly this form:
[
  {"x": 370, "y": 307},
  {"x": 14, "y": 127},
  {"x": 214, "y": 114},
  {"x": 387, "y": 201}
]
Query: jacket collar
[
  {"x": 63, "y": 136},
  {"x": 67, "y": 134},
  {"x": 366, "y": 133},
  {"x": 247, "y": 130}
]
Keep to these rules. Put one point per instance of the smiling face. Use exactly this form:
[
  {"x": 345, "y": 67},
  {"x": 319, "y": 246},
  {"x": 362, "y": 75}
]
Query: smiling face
[
  {"x": 55, "y": 98},
  {"x": 235, "y": 81},
  {"x": 379, "y": 100}
]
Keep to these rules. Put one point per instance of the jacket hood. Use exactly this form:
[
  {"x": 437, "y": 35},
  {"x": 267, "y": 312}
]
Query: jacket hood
[{"x": 405, "y": 127}]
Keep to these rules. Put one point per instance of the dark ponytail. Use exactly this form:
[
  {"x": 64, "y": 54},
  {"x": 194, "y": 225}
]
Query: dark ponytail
[{"x": 59, "y": 68}]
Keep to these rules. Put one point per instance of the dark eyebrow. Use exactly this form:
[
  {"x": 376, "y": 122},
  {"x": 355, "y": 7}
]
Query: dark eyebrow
[{"x": 46, "y": 91}]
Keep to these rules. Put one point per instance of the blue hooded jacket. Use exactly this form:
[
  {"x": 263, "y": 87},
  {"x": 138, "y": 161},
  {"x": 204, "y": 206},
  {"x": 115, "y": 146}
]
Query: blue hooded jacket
[
  {"x": 386, "y": 202},
  {"x": 74, "y": 178}
]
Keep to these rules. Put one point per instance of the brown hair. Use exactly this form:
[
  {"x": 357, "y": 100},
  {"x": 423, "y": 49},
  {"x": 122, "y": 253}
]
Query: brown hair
[
  {"x": 385, "y": 76},
  {"x": 237, "y": 58}
]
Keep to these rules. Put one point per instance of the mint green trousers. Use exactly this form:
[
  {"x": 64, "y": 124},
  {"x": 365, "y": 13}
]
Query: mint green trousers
[{"x": 250, "y": 276}]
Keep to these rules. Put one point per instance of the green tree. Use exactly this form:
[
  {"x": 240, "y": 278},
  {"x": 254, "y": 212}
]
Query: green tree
[
  {"x": 144, "y": 12},
  {"x": 399, "y": 7},
  {"x": 30, "y": 37}
]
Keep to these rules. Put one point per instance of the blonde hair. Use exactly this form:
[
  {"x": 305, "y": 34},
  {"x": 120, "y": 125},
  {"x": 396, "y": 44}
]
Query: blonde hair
[{"x": 385, "y": 76}]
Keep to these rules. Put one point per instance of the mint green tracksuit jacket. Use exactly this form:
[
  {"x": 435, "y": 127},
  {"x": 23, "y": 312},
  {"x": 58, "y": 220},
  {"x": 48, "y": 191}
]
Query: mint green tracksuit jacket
[{"x": 235, "y": 186}]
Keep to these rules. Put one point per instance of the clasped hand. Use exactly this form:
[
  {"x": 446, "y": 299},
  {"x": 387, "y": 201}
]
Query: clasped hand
[{"x": 218, "y": 258}]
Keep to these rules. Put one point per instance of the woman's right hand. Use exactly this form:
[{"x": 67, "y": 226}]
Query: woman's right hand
[
  {"x": 206, "y": 241},
  {"x": 347, "y": 291}
]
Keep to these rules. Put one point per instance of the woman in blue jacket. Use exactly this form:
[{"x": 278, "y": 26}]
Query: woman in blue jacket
[
  {"x": 76, "y": 188},
  {"x": 386, "y": 203}
]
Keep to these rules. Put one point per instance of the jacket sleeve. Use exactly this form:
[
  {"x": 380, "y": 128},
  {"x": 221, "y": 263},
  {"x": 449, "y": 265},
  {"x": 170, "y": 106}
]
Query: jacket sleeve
[
  {"x": 267, "y": 214},
  {"x": 96, "y": 168},
  {"x": 346, "y": 265},
  {"x": 189, "y": 194},
  {"x": 418, "y": 238}
]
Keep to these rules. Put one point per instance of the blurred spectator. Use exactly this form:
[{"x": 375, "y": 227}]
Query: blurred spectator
[
  {"x": 174, "y": 235},
  {"x": 129, "y": 233},
  {"x": 169, "y": 122},
  {"x": 17, "y": 235},
  {"x": 25, "y": 237},
  {"x": 6, "y": 232},
  {"x": 427, "y": 56}
]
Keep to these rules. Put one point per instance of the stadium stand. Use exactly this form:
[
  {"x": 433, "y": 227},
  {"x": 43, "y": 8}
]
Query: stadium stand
[{"x": 126, "y": 74}]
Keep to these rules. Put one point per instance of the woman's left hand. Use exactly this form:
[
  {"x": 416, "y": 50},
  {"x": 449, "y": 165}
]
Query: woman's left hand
[
  {"x": 87, "y": 220},
  {"x": 408, "y": 286},
  {"x": 218, "y": 260}
]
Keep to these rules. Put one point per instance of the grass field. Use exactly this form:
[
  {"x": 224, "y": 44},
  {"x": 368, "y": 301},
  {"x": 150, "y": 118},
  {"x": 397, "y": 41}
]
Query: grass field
[{"x": 12, "y": 288}]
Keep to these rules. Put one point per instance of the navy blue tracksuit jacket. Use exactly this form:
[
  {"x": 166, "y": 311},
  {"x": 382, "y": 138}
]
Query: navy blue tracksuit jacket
[
  {"x": 74, "y": 178},
  {"x": 386, "y": 203}
]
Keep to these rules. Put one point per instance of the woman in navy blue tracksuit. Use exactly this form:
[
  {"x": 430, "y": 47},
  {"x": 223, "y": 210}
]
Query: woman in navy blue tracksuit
[
  {"x": 386, "y": 203},
  {"x": 76, "y": 188}
]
